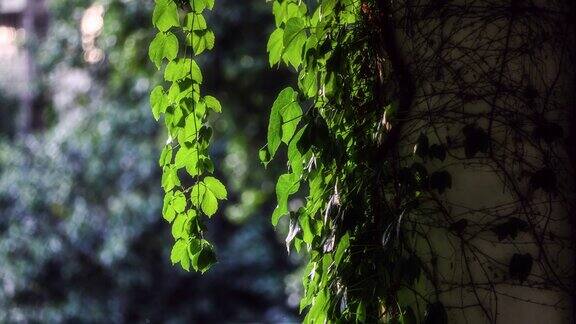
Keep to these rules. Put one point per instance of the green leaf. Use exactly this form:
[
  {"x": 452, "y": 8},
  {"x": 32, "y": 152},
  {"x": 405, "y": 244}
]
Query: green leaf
[
  {"x": 169, "y": 178},
  {"x": 180, "y": 254},
  {"x": 195, "y": 21},
  {"x": 168, "y": 212},
  {"x": 291, "y": 115},
  {"x": 201, "y": 40},
  {"x": 287, "y": 185},
  {"x": 361, "y": 313},
  {"x": 179, "y": 201},
  {"x": 178, "y": 250},
  {"x": 284, "y": 105},
  {"x": 203, "y": 260},
  {"x": 342, "y": 246},
  {"x": 317, "y": 311},
  {"x": 183, "y": 69},
  {"x": 307, "y": 234},
  {"x": 294, "y": 155},
  {"x": 213, "y": 103},
  {"x": 264, "y": 156},
  {"x": 199, "y": 5},
  {"x": 209, "y": 204},
  {"x": 158, "y": 101},
  {"x": 294, "y": 40},
  {"x": 309, "y": 83},
  {"x": 275, "y": 127},
  {"x": 195, "y": 72},
  {"x": 216, "y": 187},
  {"x": 188, "y": 157},
  {"x": 164, "y": 45},
  {"x": 277, "y": 12},
  {"x": 206, "y": 194},
  {"x": 165, "y": 15},
  {"x": 178, "y": 227},
  {"x": 173, "y": 96},
  {"x": 328, "y": 6},
  {"x": 188, "y": 134},
  {"x": 275, "y": 46},
  {"x": 165, "y": 156}
]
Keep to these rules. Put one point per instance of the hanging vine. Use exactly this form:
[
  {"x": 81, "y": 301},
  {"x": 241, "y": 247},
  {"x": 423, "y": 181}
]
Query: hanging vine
[{"x": 191, "y": 192}]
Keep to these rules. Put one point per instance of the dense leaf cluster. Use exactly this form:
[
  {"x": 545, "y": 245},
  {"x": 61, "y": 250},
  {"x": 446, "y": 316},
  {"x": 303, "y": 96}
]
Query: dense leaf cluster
[
  {"x": 332, "y": 147},
  {"x": 185, "y": 156}
]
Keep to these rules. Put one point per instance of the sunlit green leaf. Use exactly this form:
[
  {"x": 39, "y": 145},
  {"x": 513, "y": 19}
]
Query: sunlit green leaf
[
  {"x": 158, "y": 101},
  {"x": 199, "y": 5},
  {"x": 165, "y": 156},
  {"x": 165, "y": 15},
  {"x": 291, "y": 115},
  {"x": 275, "y": 46},
  {"x": 179, "y": 201},
  {"x": 287, "y": 185},
  {"x": 284, "y": 105},
  {"x": 205, "y": 194},
  {"x": 182, "y": 69},
  {"x": 307, "y": 234},
  {"x": 294, "y": 40},
  {"x": 201, "y": 40},
  {"x": 213, "y": 103},
  {"x": 190, "y": 131},
  {"x": 195, "y": 21},
  {"x": 178, "y": 227},
  {"x": 169, "y": 178},
  {"x": 168, "y": 212},
  {"x": 187, "y": 157},
  {"x": 178, "y": 249},
  {"x": 342, "y": 246},
  {"x": 164, "y": 45},
  {"x": 216, "y": 187},
  {"x": 294, "y": 155}
]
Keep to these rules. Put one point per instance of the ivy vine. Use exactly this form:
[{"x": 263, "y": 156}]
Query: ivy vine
[{"x": 336, "y": 148}]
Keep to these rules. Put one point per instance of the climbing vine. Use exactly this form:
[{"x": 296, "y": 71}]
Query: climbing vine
[
  {"x": 191, "y": 192},
  {"x": 336, "y": 148}
]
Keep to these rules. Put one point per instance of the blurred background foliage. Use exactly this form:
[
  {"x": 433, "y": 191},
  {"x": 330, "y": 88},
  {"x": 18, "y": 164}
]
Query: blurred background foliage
[{"x": 81, "y": 234}]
